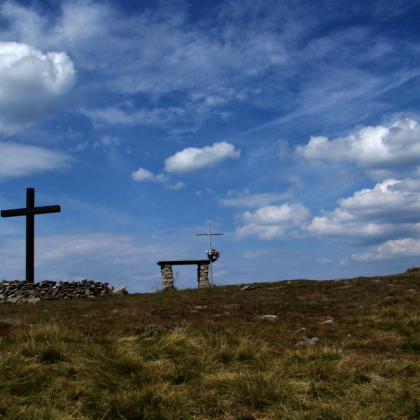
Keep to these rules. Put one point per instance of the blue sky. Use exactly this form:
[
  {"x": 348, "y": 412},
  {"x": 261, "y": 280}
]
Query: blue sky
[{"x": 292, "y": 125}]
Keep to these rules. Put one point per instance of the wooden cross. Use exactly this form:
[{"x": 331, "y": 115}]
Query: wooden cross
[{"x": 30, "y": 211}]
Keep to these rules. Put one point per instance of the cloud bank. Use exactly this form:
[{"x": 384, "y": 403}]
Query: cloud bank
[
  {"x": 372, "y": 147},
  {"x": 389, "y": 211},
  {"x": 406, "y": 247}
]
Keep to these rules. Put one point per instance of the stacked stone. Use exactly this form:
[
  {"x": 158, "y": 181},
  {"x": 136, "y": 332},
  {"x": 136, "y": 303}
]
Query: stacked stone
[
  {"x": 203, "y": 275},
  {"x": 167, "y": 276},
  {"x": 17, "y": 291}
]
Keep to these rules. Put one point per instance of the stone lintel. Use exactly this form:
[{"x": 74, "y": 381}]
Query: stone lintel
[{"x": 183, "y": 262}]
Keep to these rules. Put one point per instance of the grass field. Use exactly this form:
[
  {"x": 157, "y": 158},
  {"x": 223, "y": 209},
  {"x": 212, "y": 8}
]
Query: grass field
[{"x": 214, "y": 354}]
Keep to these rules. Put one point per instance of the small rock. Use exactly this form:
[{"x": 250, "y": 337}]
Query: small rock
[
  {"x": 121, "y": 291},
  {"x": 34, "y": 301},
  {"x": 22, "y": 300},
  {"x": 12, "y": 300},
  {"x": 8, "y": 320},
  {"x": 308, "y": 342},
  {"x": 328, "y": 321},
  {"x": 380, "y": 378},
  {"x": 155, "y": 330},
  {"x": 269, "y": 317},
  {"x": 248, "y": 288}
]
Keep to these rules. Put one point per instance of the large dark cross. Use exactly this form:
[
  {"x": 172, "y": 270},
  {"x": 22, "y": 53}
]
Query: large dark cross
[{"x": 30, "y": 211}]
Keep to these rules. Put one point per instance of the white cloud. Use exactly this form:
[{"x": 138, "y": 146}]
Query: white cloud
[
  {"x": 273, "y": 221},
  {"x": 391, "y": 210},
  {"x": 110, "y": 116},
  {"x": 107, "y": 141},
  {"x": 192, "y": 158},
  {"x": 18, "y": 160},
  {"x": 144, "y": 175},
  {"x": 372, "y": 147},
  {"x": 178, "y": 186},
  {"x": 31, "y": 83},
  {"x": 244, "y": 198},
  {"x": 82, "y": 21},
  {"x": 406, "y": 247},
  {"x": 270, "y": 215}
]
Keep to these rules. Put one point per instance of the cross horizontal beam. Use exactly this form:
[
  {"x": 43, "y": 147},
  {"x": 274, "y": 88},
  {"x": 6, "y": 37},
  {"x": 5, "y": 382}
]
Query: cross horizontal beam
[{"x": 31, "y": 210}]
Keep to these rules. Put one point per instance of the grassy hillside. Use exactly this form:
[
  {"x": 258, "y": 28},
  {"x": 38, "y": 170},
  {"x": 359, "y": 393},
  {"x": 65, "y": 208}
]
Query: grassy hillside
[{"x": 215, "y": 354}]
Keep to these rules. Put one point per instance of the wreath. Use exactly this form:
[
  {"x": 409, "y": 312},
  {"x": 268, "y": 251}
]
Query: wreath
[{"x": 213, "y": 255}]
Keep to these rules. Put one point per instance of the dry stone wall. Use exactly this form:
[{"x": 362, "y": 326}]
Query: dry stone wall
[{"x": 17, "y": 291}]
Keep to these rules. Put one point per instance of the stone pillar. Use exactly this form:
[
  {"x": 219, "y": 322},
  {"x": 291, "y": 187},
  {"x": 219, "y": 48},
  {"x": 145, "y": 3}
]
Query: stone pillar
[
  {"x": 167, "y": 276},
  {"x": 203, "y": 275}
]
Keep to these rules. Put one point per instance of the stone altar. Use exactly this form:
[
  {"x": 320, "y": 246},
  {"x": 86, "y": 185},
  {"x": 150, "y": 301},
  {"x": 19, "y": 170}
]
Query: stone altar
[{"x": 168, "y": 275}]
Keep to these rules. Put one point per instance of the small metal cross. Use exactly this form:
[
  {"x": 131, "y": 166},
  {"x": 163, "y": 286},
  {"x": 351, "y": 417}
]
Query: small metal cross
[{"x": 209, "y": 234}]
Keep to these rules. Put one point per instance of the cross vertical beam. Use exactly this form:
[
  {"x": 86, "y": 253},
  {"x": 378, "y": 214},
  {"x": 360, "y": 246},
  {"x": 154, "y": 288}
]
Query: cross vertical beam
[
  {"x": 30, "y": 211},
  {"x": 30, "y": 236}
]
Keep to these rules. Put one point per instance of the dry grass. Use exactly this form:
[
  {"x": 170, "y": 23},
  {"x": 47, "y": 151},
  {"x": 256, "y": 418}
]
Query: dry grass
[{"x": 210, "y": 354}]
